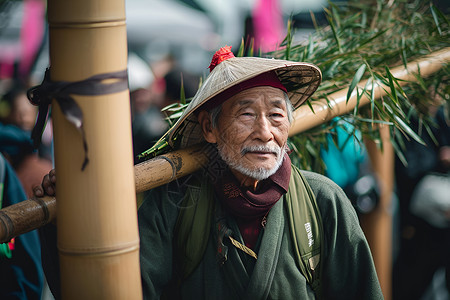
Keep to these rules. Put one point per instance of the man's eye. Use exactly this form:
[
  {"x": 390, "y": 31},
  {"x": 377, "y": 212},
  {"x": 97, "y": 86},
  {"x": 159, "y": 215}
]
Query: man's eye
[{"x": 277, "y": 115}]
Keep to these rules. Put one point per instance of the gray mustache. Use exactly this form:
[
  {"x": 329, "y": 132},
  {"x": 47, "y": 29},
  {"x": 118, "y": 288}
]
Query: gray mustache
[{"x": 272, "y": 149}]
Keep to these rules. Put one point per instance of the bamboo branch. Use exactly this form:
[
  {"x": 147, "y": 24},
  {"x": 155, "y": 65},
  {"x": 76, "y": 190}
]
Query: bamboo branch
[
  {"x": 34, "y": 213},
  {"x": 304, "y": 119}
]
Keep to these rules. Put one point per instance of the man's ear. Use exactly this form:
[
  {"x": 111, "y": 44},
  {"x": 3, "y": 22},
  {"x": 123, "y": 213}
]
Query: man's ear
[{"x": 204, "y": 119}]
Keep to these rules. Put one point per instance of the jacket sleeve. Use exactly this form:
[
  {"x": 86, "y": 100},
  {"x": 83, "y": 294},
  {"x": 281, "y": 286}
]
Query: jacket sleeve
[
  {"x": 348, "y": 270},
  {"x": 157, "y": 216}
]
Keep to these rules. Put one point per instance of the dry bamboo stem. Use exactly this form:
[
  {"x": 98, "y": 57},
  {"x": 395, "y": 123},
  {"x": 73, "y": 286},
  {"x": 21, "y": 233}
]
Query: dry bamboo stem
[
  {"x": 324, "y": 112},
  {"x": 377, "y": 225},
  {"x": 25, "y": 216},
  {"x": 98, "y": 239},
  {"x": 157, "y": 171}
]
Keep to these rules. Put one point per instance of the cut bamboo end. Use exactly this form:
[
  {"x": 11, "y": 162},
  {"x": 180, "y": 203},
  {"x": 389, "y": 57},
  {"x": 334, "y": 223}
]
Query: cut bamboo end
[{"x": 25, "y": 216}]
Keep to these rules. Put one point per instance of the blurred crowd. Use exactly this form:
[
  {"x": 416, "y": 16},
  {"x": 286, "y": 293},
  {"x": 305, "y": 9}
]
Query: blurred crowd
[{"x": 159, "y": 73}]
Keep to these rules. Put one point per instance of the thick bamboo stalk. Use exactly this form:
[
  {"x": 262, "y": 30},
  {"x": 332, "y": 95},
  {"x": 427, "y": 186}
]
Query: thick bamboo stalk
[
  {"x": 98, "y": 239},
  {"x": 158, "y": 171}
]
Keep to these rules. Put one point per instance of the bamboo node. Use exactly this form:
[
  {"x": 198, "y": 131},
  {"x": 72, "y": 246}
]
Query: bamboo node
[
  {"x": 172, "y": 164},
  {"x": 88, "y": 25},
  {"x": 101, "y": 251}
]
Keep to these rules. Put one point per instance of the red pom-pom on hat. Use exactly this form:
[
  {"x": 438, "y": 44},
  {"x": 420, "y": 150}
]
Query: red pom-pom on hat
[{"x": 222, "y": 54}]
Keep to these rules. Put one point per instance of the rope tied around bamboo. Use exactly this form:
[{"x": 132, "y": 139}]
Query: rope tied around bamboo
[{"x": 42, "y": 95}]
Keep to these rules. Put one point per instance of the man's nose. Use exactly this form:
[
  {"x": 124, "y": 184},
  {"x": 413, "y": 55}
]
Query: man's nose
[{"x": 263, "y": 129}]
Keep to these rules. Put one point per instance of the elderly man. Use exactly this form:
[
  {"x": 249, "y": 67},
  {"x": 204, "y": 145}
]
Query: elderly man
[{"x": 249, "y": 224}]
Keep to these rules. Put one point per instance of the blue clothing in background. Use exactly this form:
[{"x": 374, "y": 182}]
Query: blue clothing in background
[
  {"x": 343, "y": 162},
  {"x": 21, "y": 276}
]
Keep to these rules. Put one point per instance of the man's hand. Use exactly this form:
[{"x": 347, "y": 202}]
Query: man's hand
[{"x": 48, "y": 185}]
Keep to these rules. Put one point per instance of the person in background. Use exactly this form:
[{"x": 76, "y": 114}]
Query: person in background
[
  {"x": 21, "y": 274},
  {"x": 147, "y": 121},
  {"x": 423, "y": 187},
  {"x": 347, "y": 163},
  {"x": 17, "y": 119}
]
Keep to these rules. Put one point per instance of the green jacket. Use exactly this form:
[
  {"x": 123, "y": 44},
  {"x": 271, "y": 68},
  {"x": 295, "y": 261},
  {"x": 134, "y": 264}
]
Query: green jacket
[{"x": 348, "y": 269}]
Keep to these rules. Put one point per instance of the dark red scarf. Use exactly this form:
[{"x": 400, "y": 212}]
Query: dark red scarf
[{"x": 250, "y": 207}]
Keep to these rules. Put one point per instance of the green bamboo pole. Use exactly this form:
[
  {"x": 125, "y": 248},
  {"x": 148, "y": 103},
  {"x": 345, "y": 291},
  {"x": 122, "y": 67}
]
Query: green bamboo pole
[{"x": 98, "y": 240}]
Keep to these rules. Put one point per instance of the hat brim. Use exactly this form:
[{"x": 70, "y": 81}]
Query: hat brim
[{"x": 300, "y": 79}]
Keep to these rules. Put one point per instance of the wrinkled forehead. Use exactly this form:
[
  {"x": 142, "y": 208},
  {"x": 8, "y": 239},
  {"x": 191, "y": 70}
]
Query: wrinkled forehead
[{"x": 269, "y": 96}]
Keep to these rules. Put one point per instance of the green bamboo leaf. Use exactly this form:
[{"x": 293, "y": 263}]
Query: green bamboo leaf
[
  {"x": 363, "y": 20},
  {"x": 356, "y": 79},
  {"x": 371, "y": 38},
  {"x": 439, "y": 13},
  {"x": 240, "y": 52},
  {"x": 333, "y": 28},
  {"x": 182, "y": 94},
  {"x": 399, "y": 153},
  {"x": 403, "y": 53},
  {"x": 393, "y": 90},
  {"x": 310, "y": 52},
  {"x": 420, "y": 80},
  {"x": 251, "y": 47},
  {"x": 408, "y": 130},
  {"x": 310, "y": 105},
  {"x": 335, "y": 13},
  {"x": 374, "y": 121},
  {"x": 170, "y": 106},
  {"x": 435, "y": 18},
  {"x": 372, "y": 93},
  {"x": 431, "y": 134},
  {"x": 314, "y": 21},
  {"x": 311, "y": 149},
  {"x": 175, "y": 115},
  {"x": 288, "y": 40}
]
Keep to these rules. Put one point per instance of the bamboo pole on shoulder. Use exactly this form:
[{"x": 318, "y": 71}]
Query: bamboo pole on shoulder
[{"x": 98, "y": 240}]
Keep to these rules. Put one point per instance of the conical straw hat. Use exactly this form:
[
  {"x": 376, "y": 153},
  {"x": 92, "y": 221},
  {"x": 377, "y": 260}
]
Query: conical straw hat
[{"x": 300, "y": 79}]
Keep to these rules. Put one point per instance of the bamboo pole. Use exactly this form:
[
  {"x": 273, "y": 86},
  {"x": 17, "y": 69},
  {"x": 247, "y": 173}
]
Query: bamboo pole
[
  {"x": 377, "y": 225},
  {"x": 338, "y": 105},
  {"x": 158, "y": 171},
  {"x": 98, "y": 240}
]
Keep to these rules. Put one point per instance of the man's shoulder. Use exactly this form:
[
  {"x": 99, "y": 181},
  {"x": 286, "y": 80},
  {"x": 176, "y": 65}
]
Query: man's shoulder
[
  {"x": 316, "y": 178},
  {"x": 176, "y": 189},
  {"x": 324, "y": 189},
  {"x": 319, "y": 182}
]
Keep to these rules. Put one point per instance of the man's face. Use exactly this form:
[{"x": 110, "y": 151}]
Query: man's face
[{"x": 252, "y": 132}]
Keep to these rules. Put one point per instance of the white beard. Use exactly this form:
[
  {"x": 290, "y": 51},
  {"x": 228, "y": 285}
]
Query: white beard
[{"x": 257, "y": 173}]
